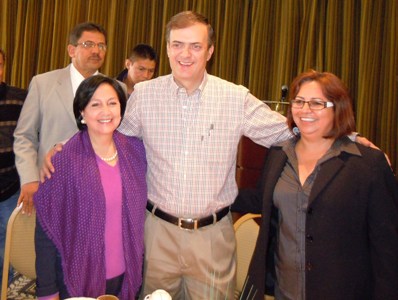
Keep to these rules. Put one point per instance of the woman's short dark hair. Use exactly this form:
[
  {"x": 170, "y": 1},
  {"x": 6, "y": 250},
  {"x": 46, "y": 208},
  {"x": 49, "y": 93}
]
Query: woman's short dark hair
[
  {"x": 335, "y": 91},
  {"x": 86, "y": 91}
]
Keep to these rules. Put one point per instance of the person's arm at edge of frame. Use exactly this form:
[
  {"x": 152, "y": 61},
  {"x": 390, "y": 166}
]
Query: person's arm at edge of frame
[{"x": 25, "y": 146}]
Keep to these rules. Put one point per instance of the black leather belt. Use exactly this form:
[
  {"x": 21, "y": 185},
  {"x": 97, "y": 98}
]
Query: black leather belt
[{"x": 188, "y": 223}]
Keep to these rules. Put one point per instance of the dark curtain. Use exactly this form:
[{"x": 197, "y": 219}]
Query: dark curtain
[{"x": 262, "y": 44}]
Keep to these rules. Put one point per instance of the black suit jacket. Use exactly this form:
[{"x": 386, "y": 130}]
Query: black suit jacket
[{"x": 351, "y": 225}]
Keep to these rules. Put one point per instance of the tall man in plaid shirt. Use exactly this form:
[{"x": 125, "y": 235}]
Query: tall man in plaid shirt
[{"x": 191, "y": 123}]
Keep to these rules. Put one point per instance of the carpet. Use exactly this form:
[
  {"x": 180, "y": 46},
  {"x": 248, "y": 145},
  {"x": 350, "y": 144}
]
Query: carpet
[{"x": 21, "y": 288}]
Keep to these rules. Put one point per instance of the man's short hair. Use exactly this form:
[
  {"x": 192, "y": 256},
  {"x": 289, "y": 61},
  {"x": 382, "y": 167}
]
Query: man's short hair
[
  {"x": 143, "y": 51},
  {"x": 77, "y": 32},
  {"x": 186, "y": 19}
]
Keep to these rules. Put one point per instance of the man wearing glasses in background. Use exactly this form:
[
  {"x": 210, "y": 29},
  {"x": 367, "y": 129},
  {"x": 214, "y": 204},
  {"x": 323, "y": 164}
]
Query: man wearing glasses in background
[{"x": 47, "y": 115}]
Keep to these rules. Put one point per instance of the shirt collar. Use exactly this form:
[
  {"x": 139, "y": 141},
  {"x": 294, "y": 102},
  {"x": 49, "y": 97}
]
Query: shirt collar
[
  {"x": 76, "y": 77},
  {"x": 343, "y": 144},
  {"x": 200, "y": 89}
]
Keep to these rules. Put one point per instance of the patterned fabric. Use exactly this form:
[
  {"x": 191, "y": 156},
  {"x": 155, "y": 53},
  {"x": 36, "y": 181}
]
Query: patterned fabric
[
  {"x": 11, "y": 101},
  {"x": 71, "y": 210},
  {"x": 21, "y": 288},
  {"x": 191, "y": 140}
]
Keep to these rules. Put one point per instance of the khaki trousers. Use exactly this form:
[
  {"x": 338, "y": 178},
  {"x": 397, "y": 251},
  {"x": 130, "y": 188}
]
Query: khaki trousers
[{"x": 190, "y": 264}]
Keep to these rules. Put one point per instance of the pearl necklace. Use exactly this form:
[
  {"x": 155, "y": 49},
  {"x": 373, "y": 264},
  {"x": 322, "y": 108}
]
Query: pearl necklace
[{"x": 108, "y": 159}]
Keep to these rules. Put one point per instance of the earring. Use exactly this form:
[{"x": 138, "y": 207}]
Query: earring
[{"x": 83, "y": 121}]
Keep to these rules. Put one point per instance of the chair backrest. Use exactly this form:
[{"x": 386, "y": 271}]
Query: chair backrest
[
  {"x": 249, "y": 163},
  {"x": 246, "y": 232},
  {"x": 19, "y": 248}
]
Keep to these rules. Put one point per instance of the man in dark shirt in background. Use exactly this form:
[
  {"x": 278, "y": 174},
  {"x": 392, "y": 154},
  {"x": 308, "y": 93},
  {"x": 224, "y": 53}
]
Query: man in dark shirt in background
[
  {"x": 11, "y": 101},
  {"x": 140, "y": 66}
]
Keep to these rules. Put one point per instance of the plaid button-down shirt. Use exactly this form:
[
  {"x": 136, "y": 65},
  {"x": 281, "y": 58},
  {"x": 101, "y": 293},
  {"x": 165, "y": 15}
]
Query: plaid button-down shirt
[{"x": 191, "y": 140}]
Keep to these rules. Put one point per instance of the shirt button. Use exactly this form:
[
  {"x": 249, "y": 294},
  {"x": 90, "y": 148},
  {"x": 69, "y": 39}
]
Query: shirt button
[
  {"x": 309, "y": 237},
  {"x": 308, "y": 266}
]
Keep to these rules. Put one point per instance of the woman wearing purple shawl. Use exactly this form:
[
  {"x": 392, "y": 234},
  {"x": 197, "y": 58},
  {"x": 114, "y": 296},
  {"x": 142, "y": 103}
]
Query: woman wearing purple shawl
[{"x": 90, "y": 214}]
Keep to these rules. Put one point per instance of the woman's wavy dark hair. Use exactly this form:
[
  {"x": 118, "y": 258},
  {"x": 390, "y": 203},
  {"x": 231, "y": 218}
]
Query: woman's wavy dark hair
[{"x": 86, "y": 91}]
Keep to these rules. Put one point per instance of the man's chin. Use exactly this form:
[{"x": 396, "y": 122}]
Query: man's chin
[{"x": 95, "y": 64}]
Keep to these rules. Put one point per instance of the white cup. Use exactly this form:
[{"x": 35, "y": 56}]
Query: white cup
[{"x": 158, "y": 295}]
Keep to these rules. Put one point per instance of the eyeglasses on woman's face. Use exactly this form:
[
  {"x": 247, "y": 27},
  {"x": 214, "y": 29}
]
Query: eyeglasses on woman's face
[{"x": 313, "y": 103}]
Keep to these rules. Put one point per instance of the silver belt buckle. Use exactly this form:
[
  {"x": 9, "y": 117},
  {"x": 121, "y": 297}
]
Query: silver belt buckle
[{"x": 189, "y": 220}]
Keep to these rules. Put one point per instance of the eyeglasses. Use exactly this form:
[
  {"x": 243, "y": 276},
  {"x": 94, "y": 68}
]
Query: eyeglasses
[
  {"x": 314, "y": 104},
  {"x": 90, "y": 44}
]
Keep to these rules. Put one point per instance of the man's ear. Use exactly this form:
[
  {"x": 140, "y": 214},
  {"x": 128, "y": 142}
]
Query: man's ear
[
  {"x": 210, "y": 52},
  {"x": 127, "y": 63},
  {"x": 168, "y": 48},
  {"x": 71, "y": 50}
]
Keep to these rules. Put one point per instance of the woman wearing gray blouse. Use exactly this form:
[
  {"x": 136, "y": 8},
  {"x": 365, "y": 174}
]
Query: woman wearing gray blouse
[{"x": 332, "y": 205}]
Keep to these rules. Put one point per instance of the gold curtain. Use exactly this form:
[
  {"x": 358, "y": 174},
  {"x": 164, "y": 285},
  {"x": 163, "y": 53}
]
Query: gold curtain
[{"x": 262, "y": 44}]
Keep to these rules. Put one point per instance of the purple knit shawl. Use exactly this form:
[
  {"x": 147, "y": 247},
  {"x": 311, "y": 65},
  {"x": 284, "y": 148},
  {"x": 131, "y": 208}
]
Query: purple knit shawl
[{"x": 71, "y": 209}]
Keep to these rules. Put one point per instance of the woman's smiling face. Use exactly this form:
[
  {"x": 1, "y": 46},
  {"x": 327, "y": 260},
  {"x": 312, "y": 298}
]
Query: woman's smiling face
[
  {"x": 313, "y": 123},
  {"x": 102, "y": 113}
]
